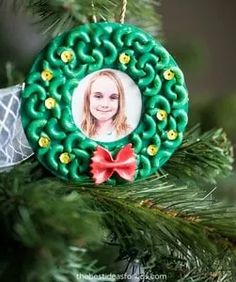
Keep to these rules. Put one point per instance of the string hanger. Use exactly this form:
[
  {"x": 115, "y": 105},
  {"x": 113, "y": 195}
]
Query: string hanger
[
  {"x": 122, "y": 13},
  {"x": 93, "y": 12}
]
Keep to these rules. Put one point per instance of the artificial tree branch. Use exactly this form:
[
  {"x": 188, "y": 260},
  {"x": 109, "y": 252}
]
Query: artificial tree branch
[
  {"x": 56, "y": 16},
  {"x": 202, "y": 157}
]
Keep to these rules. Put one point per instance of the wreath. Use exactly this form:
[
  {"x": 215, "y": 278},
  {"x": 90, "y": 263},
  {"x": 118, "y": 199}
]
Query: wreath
[{"x": 66, "y": 149}]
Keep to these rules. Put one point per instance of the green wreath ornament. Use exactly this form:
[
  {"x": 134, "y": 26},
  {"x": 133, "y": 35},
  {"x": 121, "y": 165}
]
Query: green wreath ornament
[{"x": 64, "y": 148}]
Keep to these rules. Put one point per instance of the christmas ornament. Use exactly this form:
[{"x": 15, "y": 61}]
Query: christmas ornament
[{"x": 104, "y": 101}]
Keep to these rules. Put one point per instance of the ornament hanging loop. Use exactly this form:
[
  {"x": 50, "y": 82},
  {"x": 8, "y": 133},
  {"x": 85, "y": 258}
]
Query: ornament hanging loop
[
  {"x": 123, "y": 11},
  {"x": 93, "y": 12}
]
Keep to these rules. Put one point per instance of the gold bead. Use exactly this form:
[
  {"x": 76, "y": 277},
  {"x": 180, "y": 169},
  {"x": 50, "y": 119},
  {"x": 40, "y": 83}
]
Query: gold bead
[
  {"x": 65, "y": 158},
  {"x": 124, "y": 58},
  {"x": 152, "y": 150},
  {"x": 44, "y": 142},
  {"x": 168, "y": 74},
  {"x": 47, "y": 75},
  {"x": 172, "y": 135},
  {"x": 66, "y": 56},
  {"x": 161, "y": 115},
  {"x": 50, "y": 103}
]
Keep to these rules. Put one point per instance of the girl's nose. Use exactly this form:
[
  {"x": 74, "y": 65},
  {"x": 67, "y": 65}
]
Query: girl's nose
[{"x": 105, "y": 103}]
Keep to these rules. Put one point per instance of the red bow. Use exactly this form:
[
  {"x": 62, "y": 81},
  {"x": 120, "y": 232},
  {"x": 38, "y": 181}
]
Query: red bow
[{"x": 103, "y": 165}]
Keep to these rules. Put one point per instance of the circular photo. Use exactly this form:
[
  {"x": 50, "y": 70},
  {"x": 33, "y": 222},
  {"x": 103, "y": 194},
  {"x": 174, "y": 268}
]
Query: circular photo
[{"x": 107, "y": 105}]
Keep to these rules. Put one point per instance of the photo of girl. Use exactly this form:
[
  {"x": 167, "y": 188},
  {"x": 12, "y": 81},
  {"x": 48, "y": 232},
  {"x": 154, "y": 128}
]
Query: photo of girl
[
  {"x": 104, "y": 115},
  {"x": 106, "y": 105}
]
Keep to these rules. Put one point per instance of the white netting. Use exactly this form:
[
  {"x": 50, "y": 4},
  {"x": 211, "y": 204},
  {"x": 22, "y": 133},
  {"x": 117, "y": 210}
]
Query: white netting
[{"x": 14, "y": 147}]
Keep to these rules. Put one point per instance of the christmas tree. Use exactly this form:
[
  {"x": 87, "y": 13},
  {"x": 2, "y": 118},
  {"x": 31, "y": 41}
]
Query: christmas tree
[{"x": 168, "y": 226}]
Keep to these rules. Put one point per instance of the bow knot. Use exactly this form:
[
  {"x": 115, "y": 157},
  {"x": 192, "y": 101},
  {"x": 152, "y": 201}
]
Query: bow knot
[{"x": 103, "y": 165}]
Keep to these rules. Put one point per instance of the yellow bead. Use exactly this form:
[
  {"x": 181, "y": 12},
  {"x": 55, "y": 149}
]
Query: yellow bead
[
  {"x": 66, "y": 56},
  {"x": 124, "y": 59},
  {"x": 50, "y": 103},
  {"x": 152, "y": 150},
  {"x": 172, "y": 135},
  {"x": 161, "y": 115},
  {"x": 65, "y": 158},
  {"x": 168, "y": 74},
  {"x": 44, "y": 142},
  {"x": 47, "y": 75}
]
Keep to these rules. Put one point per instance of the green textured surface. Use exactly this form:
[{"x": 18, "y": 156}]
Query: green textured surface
[{"x": 95, "y": 47}]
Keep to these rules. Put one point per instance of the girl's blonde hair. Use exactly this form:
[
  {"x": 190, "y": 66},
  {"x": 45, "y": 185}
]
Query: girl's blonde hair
[{"x": 89, "y": 123}]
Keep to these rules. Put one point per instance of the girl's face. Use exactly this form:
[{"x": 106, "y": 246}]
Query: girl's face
[{"x": 104, "y": 98}]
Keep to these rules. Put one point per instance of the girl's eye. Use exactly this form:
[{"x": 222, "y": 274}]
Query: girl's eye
[
  {"x": 114, "y": 97},
  {"x": 98, "y": 95}
]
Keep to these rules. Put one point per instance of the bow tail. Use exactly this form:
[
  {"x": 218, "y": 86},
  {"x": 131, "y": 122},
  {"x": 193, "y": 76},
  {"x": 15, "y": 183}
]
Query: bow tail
[
  {"x": 102, "y": 175},
  {"x": 127, "y": 157},
  {"x": 99, "y": 170},
  {"x": 127, "y": 173}
]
